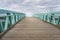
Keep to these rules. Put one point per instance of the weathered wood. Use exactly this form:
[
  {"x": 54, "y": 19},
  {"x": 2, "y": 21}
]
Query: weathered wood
[{"x": 32, "y": 29}]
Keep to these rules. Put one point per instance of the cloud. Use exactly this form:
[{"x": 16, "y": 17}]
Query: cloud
[
  {"x": 48, "y": 0},
  {"x": 36, "y": 0},
  {"x": 14, "y": 6},
  {"x": 38, "y": 6},
  {"x": 30, "y": 6},
  {"x": 25, "y": 1},
  {"x": 4, "y": 1}
]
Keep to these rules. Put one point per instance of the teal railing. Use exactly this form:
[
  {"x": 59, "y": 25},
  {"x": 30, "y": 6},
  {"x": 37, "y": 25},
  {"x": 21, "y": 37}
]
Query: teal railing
[
  {"x": 9, "y": 19},
  {"x": 53, "y": 18}
]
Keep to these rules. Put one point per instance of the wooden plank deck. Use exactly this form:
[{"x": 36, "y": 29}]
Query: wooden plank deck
[{"x": 32, "y": 29}]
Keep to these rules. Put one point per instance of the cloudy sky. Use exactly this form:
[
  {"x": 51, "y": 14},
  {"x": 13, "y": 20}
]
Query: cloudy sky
[{"x": 31, "y": 6}]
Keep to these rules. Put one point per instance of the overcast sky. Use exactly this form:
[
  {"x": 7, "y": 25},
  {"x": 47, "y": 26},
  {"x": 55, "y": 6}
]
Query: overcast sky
[{"x": 31, "y": 6}]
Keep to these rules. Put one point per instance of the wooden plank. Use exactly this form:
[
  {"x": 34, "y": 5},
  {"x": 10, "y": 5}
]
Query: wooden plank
[{"x": 32, "y": 29}]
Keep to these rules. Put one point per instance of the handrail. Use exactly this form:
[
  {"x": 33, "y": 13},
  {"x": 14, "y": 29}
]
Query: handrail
[
  {"x": 53, "y": 19},
  {"x": 9, "y": 20}
]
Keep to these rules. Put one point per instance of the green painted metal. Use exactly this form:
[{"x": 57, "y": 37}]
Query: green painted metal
[
  {"x": 52, "y": 17},
  {"x": 9, "y": 19},
  {"x": 1, "y": 27},
  {"x": 58, "y": 21},
  {"x": 6, "y": 23}
]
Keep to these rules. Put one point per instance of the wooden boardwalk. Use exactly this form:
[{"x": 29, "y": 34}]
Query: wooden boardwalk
[{"x": 32, "y": 29}]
